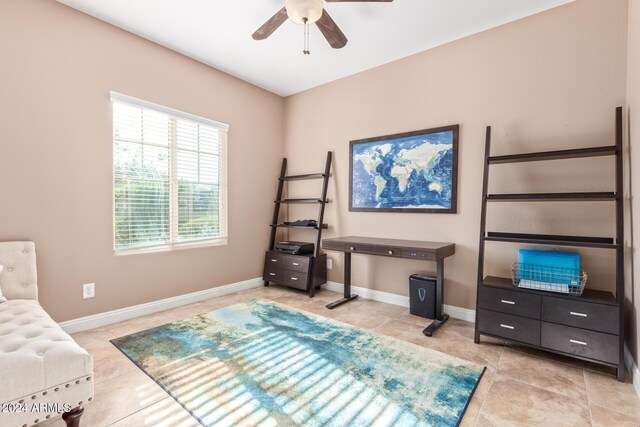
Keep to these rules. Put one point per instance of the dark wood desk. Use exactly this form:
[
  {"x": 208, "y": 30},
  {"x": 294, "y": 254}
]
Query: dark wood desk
[{"x": 412, "y": 249}]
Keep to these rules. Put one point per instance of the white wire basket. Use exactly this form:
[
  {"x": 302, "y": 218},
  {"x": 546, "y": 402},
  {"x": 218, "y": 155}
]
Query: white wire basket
[{"x": 551, "y": 279}]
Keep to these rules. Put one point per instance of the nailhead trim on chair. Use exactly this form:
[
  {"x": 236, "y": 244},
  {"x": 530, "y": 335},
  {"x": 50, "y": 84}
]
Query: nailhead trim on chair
[{"x": 44, "y": 393}]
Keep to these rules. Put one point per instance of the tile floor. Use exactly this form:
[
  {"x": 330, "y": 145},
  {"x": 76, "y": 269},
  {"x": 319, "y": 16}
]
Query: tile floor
[{"x": 521, "y": 387}]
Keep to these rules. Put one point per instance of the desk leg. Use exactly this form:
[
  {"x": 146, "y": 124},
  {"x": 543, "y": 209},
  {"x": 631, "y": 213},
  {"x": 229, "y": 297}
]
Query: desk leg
[
  {"x": 440, "y": 316},
  {"x": 347, "y": 283}
]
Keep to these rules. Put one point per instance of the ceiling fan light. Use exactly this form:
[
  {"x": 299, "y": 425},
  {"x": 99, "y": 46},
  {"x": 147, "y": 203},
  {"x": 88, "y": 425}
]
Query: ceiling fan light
[{"x": 298, "y": 10}]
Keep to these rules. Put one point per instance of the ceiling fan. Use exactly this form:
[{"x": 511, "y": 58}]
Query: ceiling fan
[{"x": 308, "y": 12}]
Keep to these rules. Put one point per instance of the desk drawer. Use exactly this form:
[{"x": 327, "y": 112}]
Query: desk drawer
[
  {"x": 509, "y": 327},
  {"x": 510, "y": 302},
  {"x": 375, "y": 250},
  {"x": 295, "y": 279},
  {"x": 585, "y": 315},
  {"x": 594, "y": 345}
]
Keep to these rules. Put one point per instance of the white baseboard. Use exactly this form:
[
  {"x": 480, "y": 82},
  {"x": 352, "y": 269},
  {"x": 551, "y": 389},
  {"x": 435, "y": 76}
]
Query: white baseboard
[
  {"x": 632, "y": 368},
  {"x": 109, "y": 317},
  {"x": 403, "y": 301}
]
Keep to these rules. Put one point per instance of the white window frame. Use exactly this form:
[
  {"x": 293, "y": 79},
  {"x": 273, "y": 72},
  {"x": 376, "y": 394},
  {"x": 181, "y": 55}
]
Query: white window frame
[{"x": 174, "y": 244}]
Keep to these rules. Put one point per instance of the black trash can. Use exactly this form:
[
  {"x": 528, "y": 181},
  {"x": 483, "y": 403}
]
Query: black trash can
[{"x": 422, "y": 295}]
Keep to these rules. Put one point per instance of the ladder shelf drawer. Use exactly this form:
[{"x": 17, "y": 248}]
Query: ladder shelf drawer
[
  {"x": 509, "y": 301},
  {"x": 581, "y": 342},
  {"x": 509, "y": 327},
  {"x": 584, "y": 315}
]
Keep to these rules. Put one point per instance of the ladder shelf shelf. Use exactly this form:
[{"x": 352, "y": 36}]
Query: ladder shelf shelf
[
  {"x": 552, "y": 239},
  {"x": 576, "y": 153},
  {"x": 554, "y": 197},
  {"x": 302, "y": 177}
]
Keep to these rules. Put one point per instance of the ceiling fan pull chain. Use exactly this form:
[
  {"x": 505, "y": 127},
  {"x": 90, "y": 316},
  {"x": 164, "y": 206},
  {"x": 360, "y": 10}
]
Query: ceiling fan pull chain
[{"x": 306, "y": 50}]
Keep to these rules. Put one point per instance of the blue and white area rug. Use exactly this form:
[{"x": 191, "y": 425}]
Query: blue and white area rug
[{"x": 264, "y": 364}]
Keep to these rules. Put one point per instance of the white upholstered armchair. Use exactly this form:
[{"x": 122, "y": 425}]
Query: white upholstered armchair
[{"x": 43, "y": 372}]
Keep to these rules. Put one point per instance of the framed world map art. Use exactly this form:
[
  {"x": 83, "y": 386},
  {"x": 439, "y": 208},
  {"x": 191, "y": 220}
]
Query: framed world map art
[{"x": 408, "y": 172}]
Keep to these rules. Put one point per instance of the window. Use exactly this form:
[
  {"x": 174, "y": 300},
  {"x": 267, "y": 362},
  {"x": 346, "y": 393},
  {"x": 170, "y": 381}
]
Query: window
[{"x": 169, "y": 177}]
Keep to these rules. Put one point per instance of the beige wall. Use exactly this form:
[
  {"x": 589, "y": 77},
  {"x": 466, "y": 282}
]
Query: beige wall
[
  {"x": 549, "y": 81},
  {"x": 57, "y": 68},
  {"x": 633, "y": 105}
]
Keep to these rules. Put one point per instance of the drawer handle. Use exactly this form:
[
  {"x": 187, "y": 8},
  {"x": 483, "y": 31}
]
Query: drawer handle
[
  {"x": 352, "y": 248},
  {"x": 294, "y": 278},
  {"x": 578, "y": 342},
  {"x": 272, "y": 274},
  {"x": 295, "y": 263},
  {"x": 573, "y": 313},
  {"x": 504, "y": 301},
  {"x": 390, "y": 252},
  {"x": 502, "y": 325},
  {"x": 274, "y": 260}
]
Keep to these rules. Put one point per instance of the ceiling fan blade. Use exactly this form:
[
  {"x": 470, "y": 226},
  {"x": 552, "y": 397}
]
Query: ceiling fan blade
[
  {"x": 331, "y": 32},
  {"x": 359, "y": 1},
  {"x": 271, "y": 25}
]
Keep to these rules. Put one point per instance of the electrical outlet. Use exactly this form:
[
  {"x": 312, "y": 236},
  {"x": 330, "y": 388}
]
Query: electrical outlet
[
  {"x": 329, "y": 263},
  {"x": 88, "y": 290}
]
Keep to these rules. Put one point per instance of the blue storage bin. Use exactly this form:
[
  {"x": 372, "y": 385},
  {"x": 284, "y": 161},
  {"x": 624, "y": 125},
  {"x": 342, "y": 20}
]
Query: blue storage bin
[{"x": 563, "y": 267}]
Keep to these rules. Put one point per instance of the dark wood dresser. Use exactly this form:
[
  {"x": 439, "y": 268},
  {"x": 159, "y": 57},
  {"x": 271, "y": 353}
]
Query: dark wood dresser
[
  {"x": 586, "y": 327},
  {"x": 296, "y": 271}
]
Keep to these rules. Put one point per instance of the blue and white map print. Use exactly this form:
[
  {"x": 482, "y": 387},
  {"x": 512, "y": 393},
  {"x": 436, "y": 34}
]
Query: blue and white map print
[{"x": 411, "y": 172}]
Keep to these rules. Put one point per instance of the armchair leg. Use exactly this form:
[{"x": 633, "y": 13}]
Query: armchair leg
[{"x": 72, "y": 418}]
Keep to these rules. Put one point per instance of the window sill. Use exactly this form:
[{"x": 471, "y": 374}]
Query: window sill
[{"x": 171, "y": 248}]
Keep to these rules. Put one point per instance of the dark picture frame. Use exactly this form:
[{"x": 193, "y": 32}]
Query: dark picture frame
[{"x": 403, "y": 138}]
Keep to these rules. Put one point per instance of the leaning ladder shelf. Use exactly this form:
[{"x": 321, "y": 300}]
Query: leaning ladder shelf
[
  {"x": 299, "y": 271},
  {"x": 589, "y": 327}
]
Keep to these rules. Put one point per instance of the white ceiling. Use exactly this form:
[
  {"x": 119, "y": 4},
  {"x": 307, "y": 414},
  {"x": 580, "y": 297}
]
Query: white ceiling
[{"x": 218, "y": 33}]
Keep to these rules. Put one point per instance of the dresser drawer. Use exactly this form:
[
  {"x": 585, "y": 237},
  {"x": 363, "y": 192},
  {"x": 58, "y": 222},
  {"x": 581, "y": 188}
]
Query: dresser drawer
[
  {"x": 510, "y": 302},
  {"x": 295, "y": 279},
  {"x": 296, "y": 263},
  {"x": 584, "y": 315},
  {"x": 594, "y": 345},
  {"x": 275, "y": 260},
  {"x": 509, "y": 327},
  {"x": 272, "y": 273}
]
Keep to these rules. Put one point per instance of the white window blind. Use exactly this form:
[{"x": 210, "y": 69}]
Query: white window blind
[{"x": 169, "y": 177}]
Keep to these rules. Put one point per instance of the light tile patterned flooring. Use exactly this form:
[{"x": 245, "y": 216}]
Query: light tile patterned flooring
[{"x": 521, "y": 387}]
